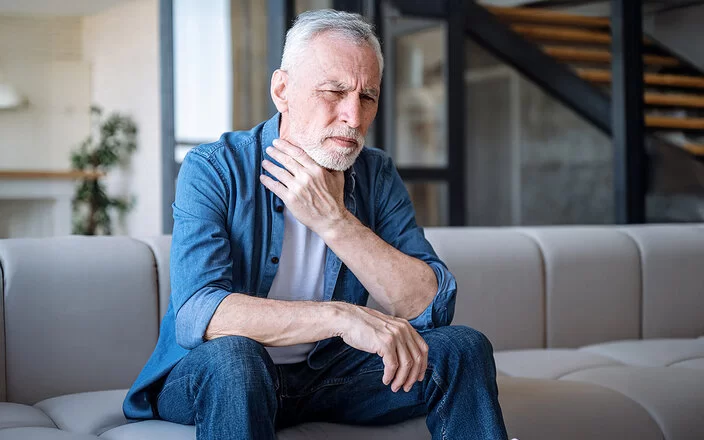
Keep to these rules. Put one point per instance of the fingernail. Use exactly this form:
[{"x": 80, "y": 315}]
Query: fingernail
[{"x": 269, "y": 149}]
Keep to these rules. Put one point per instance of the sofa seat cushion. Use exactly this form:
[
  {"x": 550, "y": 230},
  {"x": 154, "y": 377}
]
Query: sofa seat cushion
[
  {"x": 547, "y": 364},
  {"x": 650, "y": 352},
  {"x": 17, "y": 415},
  {"x": 674, "y": 397},
  {"x": 552, "y": 409},
  {"x": 690, "y": 363},
  {"x": 86, "y": 413},
  {"x": 159, "y": 430},
  {"x": 151, "y": 430},
  {"x": 578, "y": 411},
  {"x": 42, "y": 434}
]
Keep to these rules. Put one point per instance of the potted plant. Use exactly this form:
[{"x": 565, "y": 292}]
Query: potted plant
[{"x": 112, "y": 141}]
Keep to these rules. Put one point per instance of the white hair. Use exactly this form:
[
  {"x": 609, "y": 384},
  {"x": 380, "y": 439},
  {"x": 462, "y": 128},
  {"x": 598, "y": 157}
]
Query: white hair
[{"x": 310, "y": 24}]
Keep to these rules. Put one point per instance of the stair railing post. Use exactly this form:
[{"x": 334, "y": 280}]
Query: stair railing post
[{"x": 627, "y": 111}]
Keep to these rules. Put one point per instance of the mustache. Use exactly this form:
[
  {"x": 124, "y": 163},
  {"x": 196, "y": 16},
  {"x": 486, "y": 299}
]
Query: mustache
[{"x": 351, "y": 133}]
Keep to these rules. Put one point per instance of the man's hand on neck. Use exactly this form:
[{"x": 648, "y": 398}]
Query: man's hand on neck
[{"x": 313, "y": 194}]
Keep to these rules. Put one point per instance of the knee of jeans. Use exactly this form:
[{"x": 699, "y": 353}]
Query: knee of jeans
[
  {"x": 467, "y": 342},
  {"x": 236, "y": 360}
]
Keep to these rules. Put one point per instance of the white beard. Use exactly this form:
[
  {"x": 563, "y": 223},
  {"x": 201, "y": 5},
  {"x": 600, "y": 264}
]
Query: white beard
[
  {"x": 333, "y": 157},
  {"x": 336, "y": 158}
]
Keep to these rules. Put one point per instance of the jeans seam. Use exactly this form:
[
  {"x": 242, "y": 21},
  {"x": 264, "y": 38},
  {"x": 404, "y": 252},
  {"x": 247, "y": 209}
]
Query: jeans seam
[
  {"x": 170, "y": 384},
  {"x": 440, "y": 409},
  {"x": 333, "y": 382}
]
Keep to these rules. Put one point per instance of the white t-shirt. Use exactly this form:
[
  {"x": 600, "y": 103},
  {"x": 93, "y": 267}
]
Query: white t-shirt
[{"x": 300, "y": 276}]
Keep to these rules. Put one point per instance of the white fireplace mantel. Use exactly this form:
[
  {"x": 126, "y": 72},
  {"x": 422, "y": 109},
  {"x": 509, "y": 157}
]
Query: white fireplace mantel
[{"x": 37, "y": 203}]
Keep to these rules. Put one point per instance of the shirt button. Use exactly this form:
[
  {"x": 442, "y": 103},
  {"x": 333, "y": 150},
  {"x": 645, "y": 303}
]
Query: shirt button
[
  {"x": 275, "y": 260},
  {"x": 279, "y": 208}
]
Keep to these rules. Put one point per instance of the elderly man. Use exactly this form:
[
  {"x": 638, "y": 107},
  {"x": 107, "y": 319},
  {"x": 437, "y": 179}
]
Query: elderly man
[{"x": 280, "y": 235}]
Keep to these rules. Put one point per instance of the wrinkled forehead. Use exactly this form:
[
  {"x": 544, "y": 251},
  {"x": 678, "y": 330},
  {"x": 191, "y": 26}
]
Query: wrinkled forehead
[{"x": 333, "y": 57}]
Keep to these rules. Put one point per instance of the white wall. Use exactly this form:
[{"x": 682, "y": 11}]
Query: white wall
[
  {"x": 122, "y": 46},
  {"x": 42, "y": 58},
  {"x": 681, "y": 30}
]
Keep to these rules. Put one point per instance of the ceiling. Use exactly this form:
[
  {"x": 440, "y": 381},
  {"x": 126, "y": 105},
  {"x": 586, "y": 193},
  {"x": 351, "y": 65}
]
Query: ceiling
[{"x": 55, "y": 7}]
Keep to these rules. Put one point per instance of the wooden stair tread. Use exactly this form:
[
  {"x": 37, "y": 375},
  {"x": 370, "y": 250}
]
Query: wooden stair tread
[
  {"x": 674, "y": 100},
  {"x": 547, "y": 17},
  {"x": 697, "y": 150},
  {"x": 670, "y": 122},
  {"x": 601, "y": 56},
  {"x": 546, "y": 33},
  {"x": 654, "y": 79}
]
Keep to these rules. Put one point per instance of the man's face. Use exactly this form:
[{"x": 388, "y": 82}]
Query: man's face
[{"x": 332, "y": 96}]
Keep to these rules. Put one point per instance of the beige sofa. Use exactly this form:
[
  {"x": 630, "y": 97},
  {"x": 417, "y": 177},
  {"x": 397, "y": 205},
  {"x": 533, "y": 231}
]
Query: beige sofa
[{"x": 597, "y": 331}]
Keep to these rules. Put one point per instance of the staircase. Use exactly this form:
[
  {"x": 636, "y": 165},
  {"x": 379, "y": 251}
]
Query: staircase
[{"x": 674, "y": 90}]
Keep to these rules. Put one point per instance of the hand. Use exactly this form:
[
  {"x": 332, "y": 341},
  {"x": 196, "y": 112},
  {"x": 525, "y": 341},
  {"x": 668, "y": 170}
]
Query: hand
[
  {"x": 314, "y": 195},
  {"x": 403, "y": 350}
]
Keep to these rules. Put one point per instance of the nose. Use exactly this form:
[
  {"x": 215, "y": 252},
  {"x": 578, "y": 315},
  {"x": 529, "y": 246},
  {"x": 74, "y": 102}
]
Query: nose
[{"x": 351, "y": 110}]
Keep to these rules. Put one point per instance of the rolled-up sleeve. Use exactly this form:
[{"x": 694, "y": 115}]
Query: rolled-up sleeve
[
  {"x": 201, "y": 266},
  {"x": 397, "y": 226}
]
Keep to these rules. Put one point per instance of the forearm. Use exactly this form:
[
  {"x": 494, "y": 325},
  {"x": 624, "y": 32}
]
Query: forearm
[
  {"x": 274, "y": 322},
  {"x": 403, "y": 285}
]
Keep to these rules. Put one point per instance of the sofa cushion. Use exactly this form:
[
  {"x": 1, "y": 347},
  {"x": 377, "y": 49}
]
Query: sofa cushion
[
  {"x": 81, "y": 314},
  {"x": 14, "y": 415},
  {"x": 593, "y": 284},
  {"x": 500, "y": 289},
  {"x": 673, "y": 296},
  {"x": 159, "y": 430},
  {"x": 547, "y": 364},
  {"x": 86, "y": 413},
  {"x": 151, "y": 430},
  {"x": 674, "y": 397},
  {"x": 42, "y": 434},
  {"x": 650, "y": 352},
  {"x": 161, "y": 248},
  {"x": 697, "y": 364},
  {"x": 551, "y": 409}
]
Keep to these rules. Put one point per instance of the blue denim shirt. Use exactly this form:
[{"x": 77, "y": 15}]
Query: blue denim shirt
[{"x": 228, "y": 228}]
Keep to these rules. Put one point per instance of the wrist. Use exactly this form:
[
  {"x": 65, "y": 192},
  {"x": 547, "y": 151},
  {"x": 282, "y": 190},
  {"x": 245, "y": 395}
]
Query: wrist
[
  {"x": 338, "y": 317},
  {"x": 339, "y": 227}
]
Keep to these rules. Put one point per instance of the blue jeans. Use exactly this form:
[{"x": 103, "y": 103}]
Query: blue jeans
[{"x": 230, "y": 389}]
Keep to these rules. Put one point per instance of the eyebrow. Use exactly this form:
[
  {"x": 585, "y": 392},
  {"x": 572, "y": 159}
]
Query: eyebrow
[{"x": 370, "y": 91}]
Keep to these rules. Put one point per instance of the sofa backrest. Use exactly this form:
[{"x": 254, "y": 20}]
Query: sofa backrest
[
  {"x": 82, "y": 314},
  {"x": 572, "y": 286}
]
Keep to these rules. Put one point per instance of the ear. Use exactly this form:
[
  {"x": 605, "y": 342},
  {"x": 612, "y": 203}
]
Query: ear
[{"x": 279, "y": 85}]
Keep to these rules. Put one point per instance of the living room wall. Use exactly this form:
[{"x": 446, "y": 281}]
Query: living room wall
[
  {"x": 42, "y": 58},
  {"x": 122, "y": 46}
]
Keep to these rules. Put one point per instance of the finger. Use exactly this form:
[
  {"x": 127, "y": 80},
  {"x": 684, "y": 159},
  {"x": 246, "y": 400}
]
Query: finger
[
  {"x": 390, "y": 359},
  {"x": 296, "y": 153},
  {"x": 291, "y": 164},
  {"x": 423, "y": 346},
  {"x": 405, "y": 364},
  {"x": 277, "y": 188},
  {"x": 280, "y": 173},
  {"x": 417, "y": 362}
]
